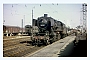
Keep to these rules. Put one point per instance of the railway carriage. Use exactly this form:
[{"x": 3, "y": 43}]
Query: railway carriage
[{"x": 28, "y": 29}]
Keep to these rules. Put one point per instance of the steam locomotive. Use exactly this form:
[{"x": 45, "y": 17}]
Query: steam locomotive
[{"x": 49, "y": 30}]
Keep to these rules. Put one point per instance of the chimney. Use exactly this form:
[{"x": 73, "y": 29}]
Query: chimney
[{"x": 45, "y": 15}]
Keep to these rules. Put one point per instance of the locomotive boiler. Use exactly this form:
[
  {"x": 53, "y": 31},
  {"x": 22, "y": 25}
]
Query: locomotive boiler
[{"x": 49, "y": 30}]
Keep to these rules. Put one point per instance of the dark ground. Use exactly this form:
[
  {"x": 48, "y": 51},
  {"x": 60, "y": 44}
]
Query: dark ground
[
  {"x": 80, "y": 50},
  {"x": 71, "y": 50},
  {"x": 75, "y": 51}
]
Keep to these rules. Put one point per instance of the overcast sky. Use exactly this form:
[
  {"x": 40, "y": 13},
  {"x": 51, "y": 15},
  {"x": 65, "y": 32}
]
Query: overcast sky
[{"x": 67, "y": 13}]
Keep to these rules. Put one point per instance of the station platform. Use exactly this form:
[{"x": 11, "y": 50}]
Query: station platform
[
  {"x": 64, "y": 48},
  {"x": 56, "y": 49}
]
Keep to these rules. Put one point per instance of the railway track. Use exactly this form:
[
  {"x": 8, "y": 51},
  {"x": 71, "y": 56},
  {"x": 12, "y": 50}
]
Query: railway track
[
  {"x": 13, "y": 48},
  {"x": 19, "y": 50},
  {"x": 9, "y": 42},
  {"x": 16, "y": 48}
]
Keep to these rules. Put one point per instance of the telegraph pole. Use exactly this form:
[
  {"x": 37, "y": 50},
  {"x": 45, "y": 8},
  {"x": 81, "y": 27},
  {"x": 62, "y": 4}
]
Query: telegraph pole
[
  {"x": 32, "y": 17},
  {"x": 24, "y": 20},
  {"x": 81, "y": 21},
  {"x": 22, "y": 26},
  {"x": 32, "y": 23},
  {"x": 3, "y": 22},
  {"x": 84, "y": 17}
]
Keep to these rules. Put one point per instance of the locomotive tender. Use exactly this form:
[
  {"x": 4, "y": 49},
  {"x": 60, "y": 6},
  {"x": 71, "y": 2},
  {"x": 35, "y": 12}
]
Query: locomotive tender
[{"x": 49, "y": 30}]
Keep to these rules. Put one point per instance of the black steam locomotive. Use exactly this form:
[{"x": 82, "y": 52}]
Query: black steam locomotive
[{"x": 49, "y": 30}]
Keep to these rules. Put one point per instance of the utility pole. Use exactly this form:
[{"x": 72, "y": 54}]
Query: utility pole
[
  {"x": 81, "y": 22},
  {"x": 24, "y": 20},
  {"x": 3, "y": 22},
  {"x": 32, "y": 23},
  {"x": 84, "y": 17},
  {"x": 32, "y": 17},
  {"x": 22, "y": 26}
]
